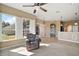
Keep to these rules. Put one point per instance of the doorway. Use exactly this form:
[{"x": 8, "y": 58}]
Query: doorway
[
  {"x": 52, "y": 30},
  {"x": 37, "y": 29}
]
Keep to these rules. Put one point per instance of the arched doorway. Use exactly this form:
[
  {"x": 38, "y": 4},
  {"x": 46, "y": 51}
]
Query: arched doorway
[{"x": 52, "y": 30}]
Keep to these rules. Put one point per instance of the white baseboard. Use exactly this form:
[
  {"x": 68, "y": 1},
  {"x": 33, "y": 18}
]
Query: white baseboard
[{"x": 69, "y": 41}]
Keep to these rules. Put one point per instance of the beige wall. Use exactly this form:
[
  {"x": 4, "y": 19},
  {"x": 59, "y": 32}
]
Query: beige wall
[
  {"x": 11, "y": 43},
  {"x": 66, "y": 24},
  {"x": 45, "y": 27},
  {"x": 58, "y": 24},
  {"x": 71, "y": 23},
  {"x": 40, "y": 23}
]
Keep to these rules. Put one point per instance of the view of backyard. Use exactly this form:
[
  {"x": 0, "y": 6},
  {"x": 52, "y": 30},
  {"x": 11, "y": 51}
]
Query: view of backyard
[{"x": 8, "y": 27}]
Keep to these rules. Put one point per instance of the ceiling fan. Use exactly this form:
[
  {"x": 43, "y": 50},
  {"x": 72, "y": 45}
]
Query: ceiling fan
[{"x": 37, "y": 5}]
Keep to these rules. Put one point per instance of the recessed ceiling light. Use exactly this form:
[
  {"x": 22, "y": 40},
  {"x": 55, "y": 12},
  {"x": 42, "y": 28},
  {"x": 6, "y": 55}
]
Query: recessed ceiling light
[{"x": 75, "y": 23}]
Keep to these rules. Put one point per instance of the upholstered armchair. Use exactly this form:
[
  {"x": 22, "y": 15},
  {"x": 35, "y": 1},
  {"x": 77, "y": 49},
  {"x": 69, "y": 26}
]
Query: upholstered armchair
[{"x": 32, "y": 42}]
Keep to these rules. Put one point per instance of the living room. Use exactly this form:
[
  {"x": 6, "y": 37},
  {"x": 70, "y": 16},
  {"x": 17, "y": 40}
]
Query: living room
[{"x": 58, "y": 27}]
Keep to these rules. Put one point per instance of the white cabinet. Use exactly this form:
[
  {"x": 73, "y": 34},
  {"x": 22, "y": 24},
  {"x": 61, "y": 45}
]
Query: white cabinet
[
  {"x": 75, "y": 28},
  {"x": 69, "y": 36}
]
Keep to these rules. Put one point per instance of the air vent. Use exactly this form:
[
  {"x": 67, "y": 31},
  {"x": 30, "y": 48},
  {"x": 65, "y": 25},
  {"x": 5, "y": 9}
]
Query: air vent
[
  {"x": 57, "y": 11},
  {"x": 61, "y": 17}
]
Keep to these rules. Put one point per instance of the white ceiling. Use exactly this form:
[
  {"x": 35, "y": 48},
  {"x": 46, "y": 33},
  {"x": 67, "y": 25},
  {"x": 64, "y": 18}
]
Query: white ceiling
[{"x": 55, "y": 11}]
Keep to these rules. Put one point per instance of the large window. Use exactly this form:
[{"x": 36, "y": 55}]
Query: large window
[{"x": 8, "y": 27}]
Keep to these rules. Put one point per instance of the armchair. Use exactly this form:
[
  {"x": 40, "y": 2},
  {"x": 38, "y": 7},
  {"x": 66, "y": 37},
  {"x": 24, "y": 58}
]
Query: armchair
[{"x": 33, "y": 41}]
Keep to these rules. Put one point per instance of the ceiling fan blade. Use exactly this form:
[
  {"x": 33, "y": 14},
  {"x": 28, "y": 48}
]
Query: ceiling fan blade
[
  {"x": 28, "y": 5},
  {"x": 41, "y": 4},
  {"x": 34, "y": 11},
  {"x": 43, "y": 9}
]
